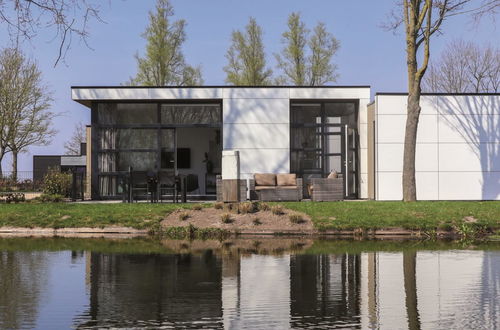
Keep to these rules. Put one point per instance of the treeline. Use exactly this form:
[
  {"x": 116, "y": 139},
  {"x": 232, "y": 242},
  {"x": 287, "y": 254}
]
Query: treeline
[{"x": 306, "y": 57}]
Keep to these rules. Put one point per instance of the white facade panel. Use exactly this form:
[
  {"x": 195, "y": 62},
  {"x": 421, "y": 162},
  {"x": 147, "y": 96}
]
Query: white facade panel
[
  {"x": 264, "y": 161},
  {"x": 458, "y": 150},
  {"x": 330, "y": 93},
  {"x": 391, "y": 129},
  {"x": 185, "y": 93},
  {"x": 469, "y": 185},
  {"x": 426, "y": 158},
  {"x": 265, "y": 136},
  {"x": 255, "y": 111},
  {"x": 82, "y": 94},
  {"x": 256, "y": 93}
]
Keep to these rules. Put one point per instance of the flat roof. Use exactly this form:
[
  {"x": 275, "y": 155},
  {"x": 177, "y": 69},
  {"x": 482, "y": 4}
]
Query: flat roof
[
  {"x": 226, "y": 86},
  {"x": 436, "y": 94}
]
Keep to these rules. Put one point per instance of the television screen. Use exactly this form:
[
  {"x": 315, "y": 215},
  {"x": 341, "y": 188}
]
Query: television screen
[{"x": 183, "y": 158}]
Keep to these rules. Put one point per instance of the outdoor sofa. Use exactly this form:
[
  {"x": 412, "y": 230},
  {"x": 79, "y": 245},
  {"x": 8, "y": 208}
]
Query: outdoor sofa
[{"x": 276, "y": 187}]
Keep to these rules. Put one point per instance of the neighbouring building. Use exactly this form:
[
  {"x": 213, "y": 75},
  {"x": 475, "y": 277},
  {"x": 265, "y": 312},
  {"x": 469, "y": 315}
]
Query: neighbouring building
[
  {"x": 65, "y": 163},
  {"x": 310, "y": 131}
]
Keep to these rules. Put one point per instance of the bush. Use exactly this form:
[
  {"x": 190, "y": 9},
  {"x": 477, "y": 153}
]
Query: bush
[
  {"x": 183, "y": 216},
  {"x": 295, "y": 218},
  {"x": 264, "y": 207},
  {"x": 197, "y": 207},
  {"x": 57, "y": 183},
  {"x": 277, "y": 210},
  {"x": 246, "y": 207},
  {"x": 226, "y": 218},
  {"x": 51, "y": 198}
]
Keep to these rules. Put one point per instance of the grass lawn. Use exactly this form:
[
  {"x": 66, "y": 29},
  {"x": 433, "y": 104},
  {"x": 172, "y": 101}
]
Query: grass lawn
[
  {"x": 60, "y": 215},
  {"x": 423, "y": 215},
  {"x": 325, "y": 215}
]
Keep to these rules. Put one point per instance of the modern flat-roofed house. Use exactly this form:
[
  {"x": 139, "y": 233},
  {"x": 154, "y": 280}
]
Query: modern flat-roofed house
[{"x": 310, "y": 131}]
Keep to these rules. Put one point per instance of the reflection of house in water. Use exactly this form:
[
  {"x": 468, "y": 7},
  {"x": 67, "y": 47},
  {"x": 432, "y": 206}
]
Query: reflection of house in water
[{"x": 160, "y": 290}]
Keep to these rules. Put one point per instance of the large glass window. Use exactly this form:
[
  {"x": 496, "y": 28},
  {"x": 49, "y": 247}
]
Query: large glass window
[
  {"x": 127, "y": 113},
  {"x": 190, "y": 114},
  {"x": 128, "y": 138}
]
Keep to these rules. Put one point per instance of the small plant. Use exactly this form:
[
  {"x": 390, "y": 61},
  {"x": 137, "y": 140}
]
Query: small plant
[
  {"x": 51, "y": 198},
  {"x": 231, "y": 207},
  {"x": 256, "y": 221},
  {"x": 226, "y": 218},
  {"x": 219, "y": 206},
  {"x": 277, "y": 210},
  {"x": 264, "y": 207},
  {"x": 197, "y": 207},
  {"x": 295, "y": 218},
  {"x": 246, "y": 207},
  {"x": 183, "y": 216}
]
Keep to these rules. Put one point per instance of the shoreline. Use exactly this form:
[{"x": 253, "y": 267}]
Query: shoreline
[{"x": 128, "y": 232}]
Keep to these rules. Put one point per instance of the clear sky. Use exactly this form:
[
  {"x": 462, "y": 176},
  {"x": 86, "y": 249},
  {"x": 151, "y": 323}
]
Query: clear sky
[{"x": 369, "y": 55}]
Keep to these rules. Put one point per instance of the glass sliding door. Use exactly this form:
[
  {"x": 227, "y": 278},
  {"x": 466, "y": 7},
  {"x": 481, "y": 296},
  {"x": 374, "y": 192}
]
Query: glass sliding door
[{"x": 323, "y": 139}]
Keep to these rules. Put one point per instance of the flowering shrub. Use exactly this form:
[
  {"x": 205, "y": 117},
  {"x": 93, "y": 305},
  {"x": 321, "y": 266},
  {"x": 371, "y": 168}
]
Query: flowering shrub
[{"x": 57, "y": 183}]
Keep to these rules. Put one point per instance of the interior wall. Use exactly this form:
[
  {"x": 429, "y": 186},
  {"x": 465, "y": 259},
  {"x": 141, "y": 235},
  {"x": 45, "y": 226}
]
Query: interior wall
[
  {"x": 199, "y": 141},
  {"x": 458, "y": 147}
]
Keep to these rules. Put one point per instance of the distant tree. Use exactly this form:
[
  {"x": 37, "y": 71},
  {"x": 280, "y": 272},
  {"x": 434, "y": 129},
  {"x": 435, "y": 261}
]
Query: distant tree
[
  {"x": 305, "y": 60},
  {"x": 25, "y": 103},
  {"x": 72, "y": 147},
  {"x": 25, "y": 18},
  {"x": 246, "y": 58},
  {"x": 464, "y": 67},
  {"x": 164, "y": 63}
]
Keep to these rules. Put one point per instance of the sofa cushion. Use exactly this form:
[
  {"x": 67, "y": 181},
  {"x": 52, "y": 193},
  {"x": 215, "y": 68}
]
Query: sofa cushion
[
  {"x": 333, "y": 175},
  {"x": 257, "y": 188},
  {"x": 285, "y": 187},
  {"x": 265, "y": 179},
  {"x": 286, "y": 179}
]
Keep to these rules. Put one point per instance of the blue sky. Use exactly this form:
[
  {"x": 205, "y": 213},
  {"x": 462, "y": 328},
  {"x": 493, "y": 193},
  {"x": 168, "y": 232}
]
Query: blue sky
[{"x": 369, "y": 55}]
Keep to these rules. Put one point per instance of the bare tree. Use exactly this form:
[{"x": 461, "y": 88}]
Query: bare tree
[
  {"x": 307, "y": 60},
  {"x": 79, "y": 136},
  {"x": 422, "y": 20},
  {"x": 67, "y": 18},
  {"x": 464, "y": 67},
  {"x": 25, "y": 102}
]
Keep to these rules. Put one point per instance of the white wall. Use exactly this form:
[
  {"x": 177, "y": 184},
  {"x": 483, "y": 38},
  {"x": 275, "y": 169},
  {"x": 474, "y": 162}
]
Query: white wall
[{"x": 458, "y": 147}]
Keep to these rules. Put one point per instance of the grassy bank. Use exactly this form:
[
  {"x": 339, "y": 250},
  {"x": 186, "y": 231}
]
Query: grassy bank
[
  {"x": 426, "y": 216},
  {"x": 422, "y": 215}
]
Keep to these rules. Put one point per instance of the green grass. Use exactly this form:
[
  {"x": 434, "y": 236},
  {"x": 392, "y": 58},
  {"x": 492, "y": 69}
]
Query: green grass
[
  {"x": 65, "y": 215},
  {"x": 423, "y": 215}
]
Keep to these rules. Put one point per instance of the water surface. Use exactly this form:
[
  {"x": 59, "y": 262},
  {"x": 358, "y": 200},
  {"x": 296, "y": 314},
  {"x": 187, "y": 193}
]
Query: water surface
[{"x": 248, "y": 284}]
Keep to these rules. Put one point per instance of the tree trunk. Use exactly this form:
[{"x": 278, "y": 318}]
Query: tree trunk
[
  {"x": 1, "y": 170},
  {"x": 14, "y": 165},
  {"x": 410, "y": 284},
  {"x": 410, "y": 146}
]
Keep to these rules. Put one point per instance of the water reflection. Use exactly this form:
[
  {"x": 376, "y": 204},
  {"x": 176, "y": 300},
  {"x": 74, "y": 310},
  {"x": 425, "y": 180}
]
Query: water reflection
[{"x": 259, "y": 283}]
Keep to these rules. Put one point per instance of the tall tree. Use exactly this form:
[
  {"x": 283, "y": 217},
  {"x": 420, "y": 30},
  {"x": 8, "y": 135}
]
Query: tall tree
[
  {"x": 464, "y": 67},
  {"x": 422, "y": 19},
  {"x": 164, "y": 63},
  {"x": 246, "y": 58},
  {"x": 25, "y": 102},
  {"x": 79, "y": 136},
  {"x": 307, "y": 60},
  {"x": 67, "y": 18}
]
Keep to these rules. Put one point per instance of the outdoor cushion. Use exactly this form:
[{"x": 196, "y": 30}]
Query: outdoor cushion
[
  {"x": 264, "y": 187},
  {"x": 286, "y": 179},
  {"x": 265, "y": 179},
  {"x": 333, "y": 175},
  {"x": 286, "y": 187}
]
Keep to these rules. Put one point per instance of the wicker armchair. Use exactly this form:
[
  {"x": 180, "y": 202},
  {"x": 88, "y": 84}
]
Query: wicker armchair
[{"x": 324, "y": 189}]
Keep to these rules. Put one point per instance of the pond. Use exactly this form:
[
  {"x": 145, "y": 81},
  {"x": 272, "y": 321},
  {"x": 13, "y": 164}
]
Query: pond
[{"x": 248, "y": 283}]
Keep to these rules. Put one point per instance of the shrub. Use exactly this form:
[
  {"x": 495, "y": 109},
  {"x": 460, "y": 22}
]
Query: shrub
[
  {"x": 256, "y": 221},
  {"x": 197, "y": 207},
  {"x": 51, "y": 198},
  {"x": 219, "y": 206},
  {"x": 183, "y": 216},
  {"x": 57, "y": 183},
  {"x": 246, "y": 207},
  {"x": 264, "y": 207},
  {"x": 277, "y": 210},
  {"x": 226, "y": 218},
  {"x": 295, "y": 218},
  {"x": 231, "y": 207}
]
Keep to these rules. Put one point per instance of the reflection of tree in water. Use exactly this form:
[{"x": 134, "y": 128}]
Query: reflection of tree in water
[
  {"x": 22, "y": 278},
  {"x": 410, "y": 286},
  {"x": 325, "y": 290},
  {"x": 154, "y": 290}
]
